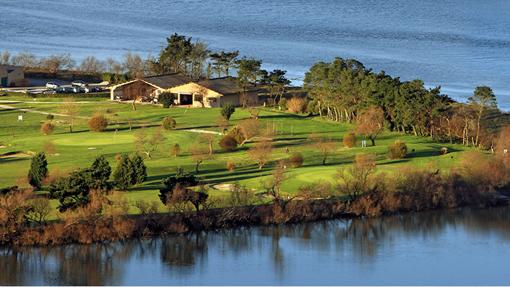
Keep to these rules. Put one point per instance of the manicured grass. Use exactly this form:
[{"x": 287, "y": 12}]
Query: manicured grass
[{"x": 78, "y": 149}]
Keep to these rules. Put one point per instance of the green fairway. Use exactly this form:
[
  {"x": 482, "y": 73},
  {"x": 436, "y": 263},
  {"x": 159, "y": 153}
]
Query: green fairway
[{"x": 78, "y": 149}]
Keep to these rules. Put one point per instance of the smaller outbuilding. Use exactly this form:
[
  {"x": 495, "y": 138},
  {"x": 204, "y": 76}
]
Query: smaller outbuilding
[{"x": 11, "y": 76}]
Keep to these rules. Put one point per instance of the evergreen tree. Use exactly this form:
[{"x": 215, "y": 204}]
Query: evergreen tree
[
  {"x": 100, "y": 172},
  {"x": 38, "y": 170},
  {"x": 72, "y": 191},
  {"x": 139, "y": 168},
  {"x": 227, "y": 110},
  {"x": 123, "y": 175}
]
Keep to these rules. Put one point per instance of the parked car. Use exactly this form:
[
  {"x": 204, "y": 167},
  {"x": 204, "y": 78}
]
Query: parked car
[
  {"x": 64, "y": 90},
  {"x": 77, "y": 90},
  {"x": 52, "y": 85},
  {"x": 79, "y": 83}
]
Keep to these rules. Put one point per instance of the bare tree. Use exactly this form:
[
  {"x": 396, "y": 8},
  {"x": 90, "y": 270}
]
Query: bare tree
[
  {"x": 24, "y": 59},
  {"x": 55, "y": 63},
  {"x": 40, "y": 208},
  {"x": 70, "y": 109},
  {"x": 92, "y": 65},
  {"x": 355, "y": 180},
  {"x": 134, "y": 65},
  {"x": 260, "y": 152},
  {"x": 113, "y": 66},
  {"x": 371, "y": 123},
  {"x": 248, "y": 129},
  {"x": 5, "y": 58},
  {"x": 199, "y": 152},
  {"x": 148, "y": 144},
  {"x": 325, "y": 146},
  {"x": 274, "y": 183},
  {"x": 209, "y": 140}
]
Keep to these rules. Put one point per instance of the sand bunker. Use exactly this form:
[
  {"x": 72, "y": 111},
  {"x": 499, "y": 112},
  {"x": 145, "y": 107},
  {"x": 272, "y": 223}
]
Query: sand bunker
[{"x": 17, "y": 154}]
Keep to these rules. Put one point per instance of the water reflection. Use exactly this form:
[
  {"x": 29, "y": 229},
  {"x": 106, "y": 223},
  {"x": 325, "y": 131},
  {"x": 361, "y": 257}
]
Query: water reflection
[{"x": 270, "y": 248}]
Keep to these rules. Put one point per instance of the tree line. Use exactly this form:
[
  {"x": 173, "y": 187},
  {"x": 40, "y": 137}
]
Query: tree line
[{"x": 344, "y": 90}]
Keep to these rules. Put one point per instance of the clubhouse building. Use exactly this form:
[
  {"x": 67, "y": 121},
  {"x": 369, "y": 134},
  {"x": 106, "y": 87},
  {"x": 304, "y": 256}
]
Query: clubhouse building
[{"x": 203, "y": 93}]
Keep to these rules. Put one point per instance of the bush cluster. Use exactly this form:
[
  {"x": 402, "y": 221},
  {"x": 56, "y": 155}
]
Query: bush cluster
[
  {"x": 47, "y": 128},
  {"x": 349, "y": 140},
  {"x": 228, "y": 143},
  {"x": 169, "y": 123},
  {"x": 397, "y": 150},
  {"x": 296, "y": 160},
  {"x": 296, "y": 105},
  {"x": 98, "y": 123}
]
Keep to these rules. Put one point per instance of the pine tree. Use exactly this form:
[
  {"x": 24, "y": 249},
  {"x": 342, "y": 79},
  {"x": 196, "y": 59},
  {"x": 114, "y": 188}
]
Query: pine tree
[
  {"x": 123, "y": 175},
  {"x": 100, "y": 172},
  {"x": 38, "y": 170},
  {"x": 140, "y": 170}
]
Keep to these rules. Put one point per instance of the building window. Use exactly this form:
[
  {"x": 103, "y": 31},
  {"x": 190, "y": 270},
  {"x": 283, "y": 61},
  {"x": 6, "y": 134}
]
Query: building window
[{"x": 199, "y": 98}]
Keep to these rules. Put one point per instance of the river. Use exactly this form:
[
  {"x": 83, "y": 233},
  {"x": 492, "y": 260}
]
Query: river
[
  {"x": 457, "y": 44},
  {"x": 452, "y": 247}
]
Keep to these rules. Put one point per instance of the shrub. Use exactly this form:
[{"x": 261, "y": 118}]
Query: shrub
[
  {"x": 397, "y": 150},
  {"x": 227, "y": 111},
  {"x": 296, "y": 159},
  {"x": 228, "y": 143},
  {"x": 98, "y": 123},
  {"x": 167, "y": 99},
  {"x": 296, "y": 105},
  {"x": 50, "y": 117},
  {"x": 231, "y": 166},
  {"x": 38, "y": 170},
  {"x": 169, "y": 123},
  {"x": 349, "y": 140},
  {"x": 47, "y": 128},
  {"x": 283, "y": 104}
]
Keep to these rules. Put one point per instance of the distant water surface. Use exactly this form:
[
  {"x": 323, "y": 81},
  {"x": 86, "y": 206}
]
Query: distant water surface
[
  {"x": 455, "y": 247},
  {"x": 457, "y": 44}
]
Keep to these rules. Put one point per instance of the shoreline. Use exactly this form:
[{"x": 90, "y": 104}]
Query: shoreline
[{"x": 103, "y": 229}]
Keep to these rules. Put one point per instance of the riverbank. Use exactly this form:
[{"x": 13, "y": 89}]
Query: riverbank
[{"x": 91, "y": 225}]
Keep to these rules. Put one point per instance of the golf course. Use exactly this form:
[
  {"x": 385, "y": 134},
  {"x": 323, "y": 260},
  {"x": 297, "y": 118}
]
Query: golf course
[{"x": 21, "y": 137}]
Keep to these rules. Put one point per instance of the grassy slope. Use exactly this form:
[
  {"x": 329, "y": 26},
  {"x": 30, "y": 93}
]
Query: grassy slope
[{"x": 81, "y": 147}]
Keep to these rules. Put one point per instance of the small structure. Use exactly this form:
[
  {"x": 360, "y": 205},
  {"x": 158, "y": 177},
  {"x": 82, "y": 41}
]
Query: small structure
[
  {"x": 11, "y": 76},
  {"x": 205, "y": 93}
]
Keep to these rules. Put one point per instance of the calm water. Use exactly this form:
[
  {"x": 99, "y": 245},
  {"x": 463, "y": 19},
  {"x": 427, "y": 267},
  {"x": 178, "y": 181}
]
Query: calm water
[
  {"x": 466, "y": 247},
  {"x": 457, "y": 44}
]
